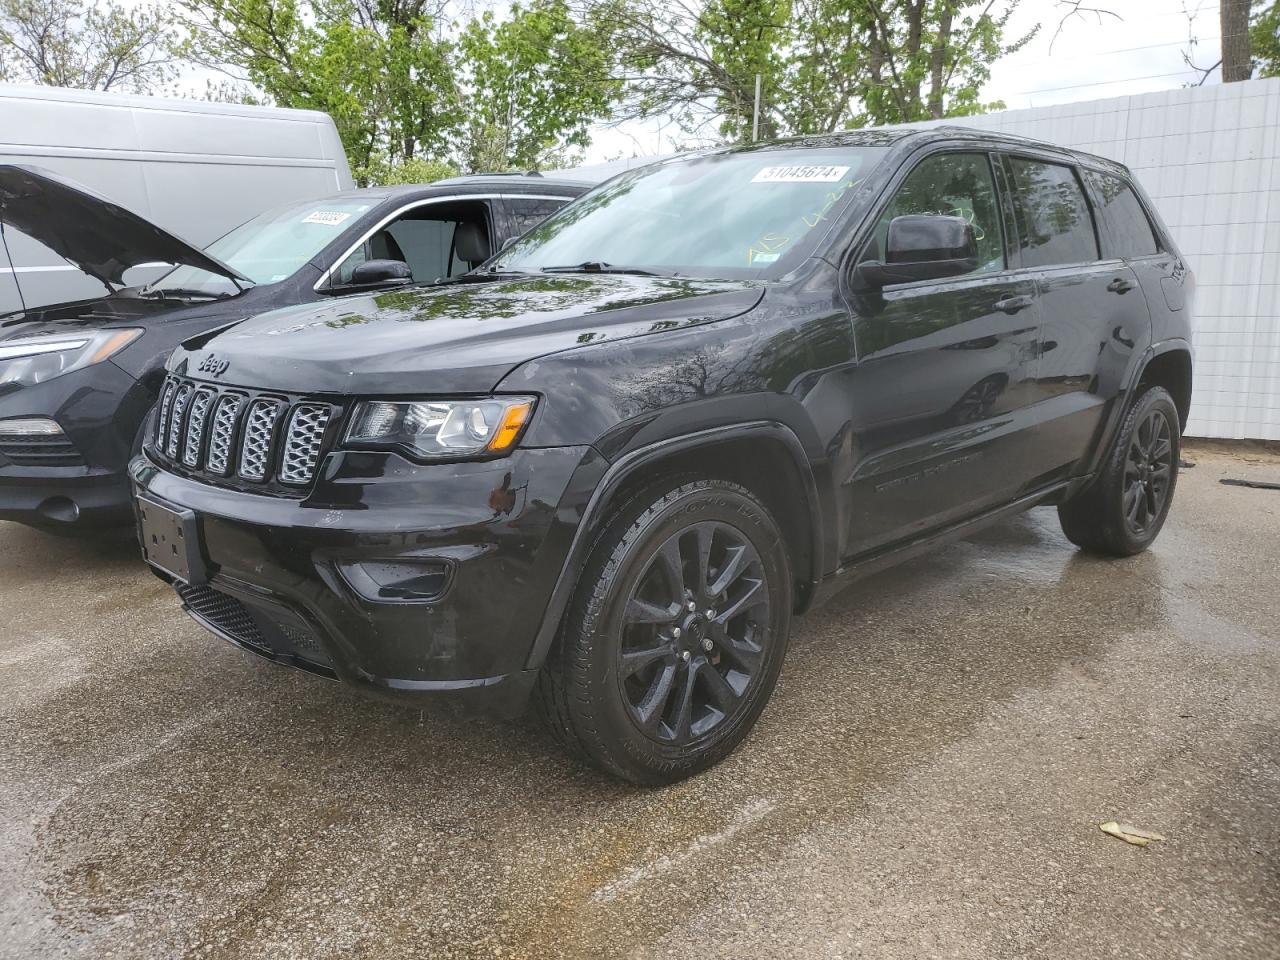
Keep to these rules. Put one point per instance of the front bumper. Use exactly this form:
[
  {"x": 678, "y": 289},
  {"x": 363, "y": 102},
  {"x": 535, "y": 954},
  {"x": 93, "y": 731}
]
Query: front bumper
[
  {"x": 502, "y": 528},
  {"x": 100, "y": 409}
]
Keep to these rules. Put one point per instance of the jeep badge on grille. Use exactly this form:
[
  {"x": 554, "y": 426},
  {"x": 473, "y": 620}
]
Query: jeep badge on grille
[{"x": 213, "y": 365}]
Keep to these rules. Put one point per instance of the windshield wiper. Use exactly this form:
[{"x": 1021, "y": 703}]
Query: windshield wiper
[
  {"x": 599, "y": 266},
  {"x": 484, "y": 276},
  {"x": 179, "y": 293}
]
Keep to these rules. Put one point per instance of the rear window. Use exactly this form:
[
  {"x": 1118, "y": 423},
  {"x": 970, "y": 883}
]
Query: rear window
[
  {"x": 1129, "y": 232},
  {"x": 1054, "y": 223}
]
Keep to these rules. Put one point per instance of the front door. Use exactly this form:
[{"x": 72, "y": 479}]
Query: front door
[{"x": 942, "y": 391}]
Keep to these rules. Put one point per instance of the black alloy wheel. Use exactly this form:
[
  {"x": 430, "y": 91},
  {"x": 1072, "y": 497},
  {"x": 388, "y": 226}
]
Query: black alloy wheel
[
  {"x": 1123, "y": 509},
  {"x": 674, "y": 638},
  {"x": 1148, "y": 471},
  {"x": 693, "y": 632}
]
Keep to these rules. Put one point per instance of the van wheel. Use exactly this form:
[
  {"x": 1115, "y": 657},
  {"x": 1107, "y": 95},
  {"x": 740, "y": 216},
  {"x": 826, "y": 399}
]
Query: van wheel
[
  {"x": 1121, "y": 513},
  {"x": 675, "y": 635}
]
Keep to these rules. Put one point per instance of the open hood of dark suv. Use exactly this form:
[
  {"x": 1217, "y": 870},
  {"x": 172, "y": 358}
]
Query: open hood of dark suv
[
  {"x": 100, "y": 237},
  {"x": 458, "y": 338}
]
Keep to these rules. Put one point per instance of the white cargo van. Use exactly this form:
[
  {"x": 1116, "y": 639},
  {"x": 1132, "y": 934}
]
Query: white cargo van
[{"x": 196, "y": 169}]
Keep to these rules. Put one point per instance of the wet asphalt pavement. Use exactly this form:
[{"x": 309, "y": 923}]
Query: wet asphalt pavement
[{"x": 927, "y": 782}]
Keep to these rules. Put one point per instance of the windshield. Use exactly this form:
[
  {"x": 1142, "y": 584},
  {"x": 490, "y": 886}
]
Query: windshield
[
  {"x": 750, "y": 214},
  {"x": 269, "y": 247}
]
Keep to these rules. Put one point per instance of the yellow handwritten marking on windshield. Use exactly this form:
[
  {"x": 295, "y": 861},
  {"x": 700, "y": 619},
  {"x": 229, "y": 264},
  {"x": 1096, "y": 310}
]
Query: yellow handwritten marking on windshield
[{"x": 766, "y": 246}]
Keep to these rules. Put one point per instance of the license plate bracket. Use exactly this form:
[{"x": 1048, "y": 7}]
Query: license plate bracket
[{"x": 171, "y": 540}]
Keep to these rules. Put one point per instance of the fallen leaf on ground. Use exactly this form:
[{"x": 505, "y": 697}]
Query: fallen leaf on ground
[{"x": 1129, "y": 834}]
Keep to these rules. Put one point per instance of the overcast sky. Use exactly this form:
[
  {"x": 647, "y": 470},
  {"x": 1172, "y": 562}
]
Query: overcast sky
[{"x": 1089, "y": 60}]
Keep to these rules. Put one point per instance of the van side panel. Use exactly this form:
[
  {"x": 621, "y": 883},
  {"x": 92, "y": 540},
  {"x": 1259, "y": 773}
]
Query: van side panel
[{"x": 196, "y": 169}]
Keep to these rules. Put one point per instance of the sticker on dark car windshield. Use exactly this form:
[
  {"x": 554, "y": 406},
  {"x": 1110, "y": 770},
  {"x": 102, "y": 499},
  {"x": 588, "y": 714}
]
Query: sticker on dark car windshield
[
  {"x": 807, "y": 173},
  {"x": 330, "y": 218}
]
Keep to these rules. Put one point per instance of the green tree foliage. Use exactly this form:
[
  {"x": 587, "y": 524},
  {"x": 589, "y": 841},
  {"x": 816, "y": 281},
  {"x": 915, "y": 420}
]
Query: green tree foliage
[
  {"x": 402, "y": 83},
  {"x": 102, "y": 45},
  {"x": 537, "y": 80},
  {"x": 1265, "y": 39},
  {"x": 379, "y": 69},
  {"x": 417, "y": 170},
  {"x": 825, "y": 64}
]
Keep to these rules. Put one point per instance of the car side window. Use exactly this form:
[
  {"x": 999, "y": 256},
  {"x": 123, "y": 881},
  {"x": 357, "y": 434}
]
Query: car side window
[
  {"x": 1129, "y": 230},
  {"x": 436, "y": 241},
  {"x": 1055, "y": 226},
  {"x": 955, "y": 185},
  {"x": 527, "y": 213}
]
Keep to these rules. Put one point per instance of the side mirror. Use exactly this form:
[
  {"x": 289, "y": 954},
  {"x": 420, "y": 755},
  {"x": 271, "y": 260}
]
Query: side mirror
[
  {"x": 508, "y": 242},
  {"x": 922, "y": 247},
  {"x": 381, "y": 273}
]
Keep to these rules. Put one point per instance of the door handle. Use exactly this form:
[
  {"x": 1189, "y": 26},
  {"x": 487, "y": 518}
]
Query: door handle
[
  {"x": 1119, "y": 285},
  {"x": 1013, "y": 304}
]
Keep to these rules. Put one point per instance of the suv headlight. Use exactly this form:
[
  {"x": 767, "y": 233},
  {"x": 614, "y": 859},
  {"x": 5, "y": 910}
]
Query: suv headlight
[
  {"x": 441, "y": 429},
  {"x": 31, "y": 360}
]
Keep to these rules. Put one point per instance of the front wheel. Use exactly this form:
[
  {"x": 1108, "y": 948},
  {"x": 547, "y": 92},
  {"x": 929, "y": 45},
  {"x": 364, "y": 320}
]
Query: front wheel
[
  {"x": 675, "y": 635},
  {"x": 1122, "y": 511}
]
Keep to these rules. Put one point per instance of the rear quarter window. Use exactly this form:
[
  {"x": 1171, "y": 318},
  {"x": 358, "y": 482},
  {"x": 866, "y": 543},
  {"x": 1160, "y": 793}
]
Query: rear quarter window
[
  {"x": 1128, "y": 231},
  {"x": 1055, "y": 226}
]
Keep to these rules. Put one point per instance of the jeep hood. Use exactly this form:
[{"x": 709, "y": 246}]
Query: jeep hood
[
  {"x": 100, "y": 237},
  {"x": 457, "y": 338}
]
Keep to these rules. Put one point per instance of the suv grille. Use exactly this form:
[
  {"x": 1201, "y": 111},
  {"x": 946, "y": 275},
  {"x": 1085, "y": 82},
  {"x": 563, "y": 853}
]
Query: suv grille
[{"x": 240, "y": 438}]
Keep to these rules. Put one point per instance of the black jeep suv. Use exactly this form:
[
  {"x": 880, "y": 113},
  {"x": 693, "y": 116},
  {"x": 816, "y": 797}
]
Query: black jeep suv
[{"x": 604, "y": 470}]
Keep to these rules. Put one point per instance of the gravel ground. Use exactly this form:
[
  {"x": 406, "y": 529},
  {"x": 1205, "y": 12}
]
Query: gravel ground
[{"x": 927, "y": 782}]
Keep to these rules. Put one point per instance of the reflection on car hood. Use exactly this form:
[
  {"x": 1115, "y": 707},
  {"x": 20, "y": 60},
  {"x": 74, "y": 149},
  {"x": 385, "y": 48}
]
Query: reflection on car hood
[
  {"x": 455, "y": 339},
  {"x": 100, "y": 237}
]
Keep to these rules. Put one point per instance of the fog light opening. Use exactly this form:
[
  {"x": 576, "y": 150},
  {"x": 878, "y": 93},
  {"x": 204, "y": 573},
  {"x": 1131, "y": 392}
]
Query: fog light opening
[
  {"x": 399, "y": 581},
  {"x": 61, "y": 509}
]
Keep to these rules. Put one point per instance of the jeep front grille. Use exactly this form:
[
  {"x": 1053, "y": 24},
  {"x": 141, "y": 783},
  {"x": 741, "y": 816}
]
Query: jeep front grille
[
  {"x": 259, "y": 431},
  {"x": 191, "y": 450},
  {"x": 302, "y": 442},
  {"x": 240, "y": 437}
]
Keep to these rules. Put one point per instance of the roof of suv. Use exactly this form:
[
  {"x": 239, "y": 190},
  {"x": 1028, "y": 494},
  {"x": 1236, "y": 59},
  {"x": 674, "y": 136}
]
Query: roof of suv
[
  {"x": 892, "y": 136},
  {"x": 478, "y": 183}
]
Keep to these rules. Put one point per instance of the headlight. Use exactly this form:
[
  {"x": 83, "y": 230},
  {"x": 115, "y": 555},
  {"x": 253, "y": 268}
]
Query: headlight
[
  {"x": 28, "y": 361},
  {"x": 441, "y": 429}
]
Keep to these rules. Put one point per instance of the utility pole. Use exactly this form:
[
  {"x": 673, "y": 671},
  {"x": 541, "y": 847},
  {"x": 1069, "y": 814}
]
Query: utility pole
[{"x": 755, "y": 113}]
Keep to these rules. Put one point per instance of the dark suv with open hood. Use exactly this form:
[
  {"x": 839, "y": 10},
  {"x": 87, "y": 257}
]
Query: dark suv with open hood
[
  {"x": 77, "y": 378},
  {"x": 604, "y": 470}
]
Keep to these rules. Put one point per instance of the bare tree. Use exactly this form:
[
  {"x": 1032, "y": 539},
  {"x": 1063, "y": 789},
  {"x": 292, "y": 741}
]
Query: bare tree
[{"x": 89, "y": 46}]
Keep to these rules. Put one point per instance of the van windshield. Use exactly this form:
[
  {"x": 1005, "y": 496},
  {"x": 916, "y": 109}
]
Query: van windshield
[
  {"x": 745, "y": 214},
  {"x": 268, "y": 248}
]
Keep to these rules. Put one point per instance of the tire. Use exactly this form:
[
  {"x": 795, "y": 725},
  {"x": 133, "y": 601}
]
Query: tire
[
  {"x": 1122, "y": 511},
  {"x": 639, "y": 684}
]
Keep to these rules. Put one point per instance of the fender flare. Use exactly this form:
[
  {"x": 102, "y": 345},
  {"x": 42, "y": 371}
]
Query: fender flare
[
  {"x": 625, "y": 467},
  {"x": 1130, "y": 390}
]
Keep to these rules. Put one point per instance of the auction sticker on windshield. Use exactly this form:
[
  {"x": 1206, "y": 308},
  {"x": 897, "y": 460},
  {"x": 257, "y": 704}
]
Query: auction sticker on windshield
[
  {"x": 328, "y": 217},
  {"x": 800, "y": 174}
]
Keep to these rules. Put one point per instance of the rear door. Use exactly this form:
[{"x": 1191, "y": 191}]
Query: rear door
[
  {"x": 1092, "y": 312},
  {"x": 940, "y": 394}
]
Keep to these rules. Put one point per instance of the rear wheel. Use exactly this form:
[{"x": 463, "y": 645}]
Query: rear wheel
[
  {"x": 1122, "y": 511},
  {"x": 675, "y": 636}
]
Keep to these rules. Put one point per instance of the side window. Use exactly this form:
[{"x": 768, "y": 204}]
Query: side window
[
  {"x": 528, "y": 213},
  {"x": 436, "y": 241},
  {"x": 956, "y": 185},
  {"x": 1128, "y": 229},
  {"x": 1054, "y": 223}
]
